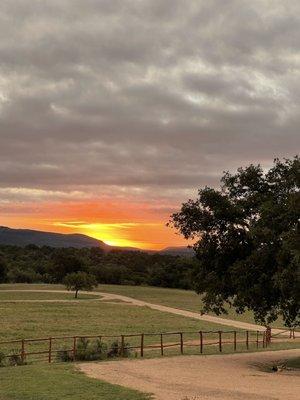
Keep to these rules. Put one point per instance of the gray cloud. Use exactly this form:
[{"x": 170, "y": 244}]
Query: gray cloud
[{"x": 159, "y": 96}]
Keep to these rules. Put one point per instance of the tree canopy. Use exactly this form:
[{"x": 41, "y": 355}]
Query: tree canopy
[
  {"x": 79, "y": 281},
  {"x": 33, "y": 264},
  {"x": 247, "y": 241}
]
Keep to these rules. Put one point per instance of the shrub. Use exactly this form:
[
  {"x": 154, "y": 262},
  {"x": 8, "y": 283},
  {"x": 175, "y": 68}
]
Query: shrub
[
  {"x": 15, "y": 359},
  {"x": 64, "y": 355},
  {"x": 100, "y": 349},
  {"x": 87, "y": 350},
  {"x": 2, "y": 359},
  {"x": 116, "y": 350}
]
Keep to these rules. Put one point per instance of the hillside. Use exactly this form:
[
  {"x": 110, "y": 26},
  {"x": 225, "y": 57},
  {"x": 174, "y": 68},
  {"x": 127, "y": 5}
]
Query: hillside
[
  {"x": 24, "y": 237},
  {"x": 178, "y": 251}
]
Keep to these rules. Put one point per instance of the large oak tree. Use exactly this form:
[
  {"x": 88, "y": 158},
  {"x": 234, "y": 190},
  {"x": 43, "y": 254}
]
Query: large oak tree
[{"x": 248, "y": 242}]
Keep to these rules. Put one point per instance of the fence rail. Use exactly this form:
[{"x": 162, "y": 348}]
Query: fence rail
[
  {"x": 291, "y": 333},
  {"x": 47, "y": 348}
]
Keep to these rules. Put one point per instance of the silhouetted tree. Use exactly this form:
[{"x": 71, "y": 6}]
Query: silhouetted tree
[{"x": 247, "y": 241}]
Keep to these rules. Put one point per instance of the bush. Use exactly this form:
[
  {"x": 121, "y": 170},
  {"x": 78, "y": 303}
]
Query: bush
[
  {"x": 64, "y": 355},
  {"x": 90, "y": 351},
  {"x": 86, "y": 350},
  {"x": 2, "y": 359},
  {"x": 116, "y": 350},
  {"x": 15, "y": 359}
]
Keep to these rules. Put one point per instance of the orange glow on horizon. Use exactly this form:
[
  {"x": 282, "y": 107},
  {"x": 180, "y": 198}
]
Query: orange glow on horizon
[{"x": 123, "y": 224}]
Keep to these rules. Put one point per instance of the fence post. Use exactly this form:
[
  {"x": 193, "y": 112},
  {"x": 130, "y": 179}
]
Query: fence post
[
  {"x": 161, "y": 344},
  {"x": 50, "y": 350},
  {"x": 142, "y": 345},
  {"x": 201, "y": 342},
  {"x": 234, "y": 340},
  {"x": 257, "y": 340},
  {"x": 23, "y": 351},
  {"x": 247, "y": 340},
  {"x": 74, "y": 347},
  {"x": 122, "y": 345},
  {"x": 181, "y": 343},
  {"x": 264, "y": 335},
  {"x": 220, "y": 341}
]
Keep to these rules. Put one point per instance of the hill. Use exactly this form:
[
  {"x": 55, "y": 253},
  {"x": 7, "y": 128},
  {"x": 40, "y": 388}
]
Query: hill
[
  {"x": 178, "y": 251},
  {"x": 24, "y": 237}
]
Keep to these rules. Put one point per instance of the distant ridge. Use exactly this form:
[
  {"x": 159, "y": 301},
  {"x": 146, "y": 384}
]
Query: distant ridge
[
  {"x": 25, "y": 237},
  {"x": 178, "y": 251}
]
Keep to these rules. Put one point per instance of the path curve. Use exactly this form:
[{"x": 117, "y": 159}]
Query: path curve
[
  {"x": 159, "y": 307},
  {"x": 214, "y": 377}
]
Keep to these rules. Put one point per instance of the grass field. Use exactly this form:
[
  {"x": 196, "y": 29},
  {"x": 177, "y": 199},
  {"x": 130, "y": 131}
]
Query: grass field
[
  {"x": 93, "y": 317},
  {"x": 32, "y": 320},
  {"x": 11, "y": 296},
  {"x": 55, "y": 382},
  {"x": 183, "y": 299}
]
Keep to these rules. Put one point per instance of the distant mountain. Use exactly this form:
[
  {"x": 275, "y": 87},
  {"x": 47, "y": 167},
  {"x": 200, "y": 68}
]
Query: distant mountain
[
  {"x": 178, "y": 251},
  {"x": 24, "y": 237}
]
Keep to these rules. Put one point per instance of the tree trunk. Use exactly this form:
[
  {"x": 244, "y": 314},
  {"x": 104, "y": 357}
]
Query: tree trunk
[{"x": 76, "y": 294}]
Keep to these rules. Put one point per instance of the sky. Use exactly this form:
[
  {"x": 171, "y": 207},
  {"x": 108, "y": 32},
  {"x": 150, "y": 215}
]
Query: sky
[{"x": 114, "y": 112}]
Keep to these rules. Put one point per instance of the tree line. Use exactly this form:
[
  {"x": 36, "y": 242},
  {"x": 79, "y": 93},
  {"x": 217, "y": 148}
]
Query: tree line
[{"x": 33, "y": 264}]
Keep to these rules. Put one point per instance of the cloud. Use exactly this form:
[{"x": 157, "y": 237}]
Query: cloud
[{"x": 144, "y": 99}]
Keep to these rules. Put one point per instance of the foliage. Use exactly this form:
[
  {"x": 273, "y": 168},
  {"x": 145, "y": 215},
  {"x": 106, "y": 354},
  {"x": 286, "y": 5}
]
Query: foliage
[
  {"x": 117, "y": 351},
  {"x": 248, "y": 241},
  {"x": 87, "y": 350},
  {"x": 15, "y": 358},
  {"x": 33, "y": 264},
  {"x": 64, "y": 262},
  {"x": 79, "y": 281},
  {"x": 3, "y": 270},
  {"x": 92, "y": 350},
  {"x": 64, "y": 355},
  {"x": 2, "y": 359}
]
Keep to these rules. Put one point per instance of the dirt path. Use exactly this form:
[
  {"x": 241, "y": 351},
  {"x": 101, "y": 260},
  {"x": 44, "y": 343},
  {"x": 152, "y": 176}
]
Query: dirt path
[
  {"x": 226, "y": 377},
  {"x": 159, "y": 307}
]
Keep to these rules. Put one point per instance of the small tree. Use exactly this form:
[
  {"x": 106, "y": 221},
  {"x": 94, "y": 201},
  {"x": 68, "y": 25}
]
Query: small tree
[{"x": 79, "y": 281}]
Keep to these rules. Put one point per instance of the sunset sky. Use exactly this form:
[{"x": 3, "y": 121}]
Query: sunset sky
[{"x": 114, "y": 112}]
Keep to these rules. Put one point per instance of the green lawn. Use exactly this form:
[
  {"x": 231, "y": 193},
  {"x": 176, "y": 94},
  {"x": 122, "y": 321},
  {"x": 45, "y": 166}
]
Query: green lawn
[
  {"x": 11, "y": 296},
  {"x": 56, "y": 382},
  {"x": 89, "y": 317},
  {"x": 184, "y": 299},
  {"x": 293, "y": 363},
  {"x": 93, "y": 317}
]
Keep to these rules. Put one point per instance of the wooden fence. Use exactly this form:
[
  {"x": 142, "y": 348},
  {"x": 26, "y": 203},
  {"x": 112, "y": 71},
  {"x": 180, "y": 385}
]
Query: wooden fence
[
  {"x": 46, "y": 349},
  {"x": 285, "y": 333}
]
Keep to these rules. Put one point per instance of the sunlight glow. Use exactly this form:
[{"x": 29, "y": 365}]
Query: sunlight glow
[{"x": 115, "y": 234}]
